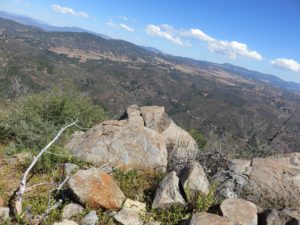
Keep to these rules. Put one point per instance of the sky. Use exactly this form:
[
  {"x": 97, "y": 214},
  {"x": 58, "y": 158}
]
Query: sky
[{"x": 262, "y": 35}]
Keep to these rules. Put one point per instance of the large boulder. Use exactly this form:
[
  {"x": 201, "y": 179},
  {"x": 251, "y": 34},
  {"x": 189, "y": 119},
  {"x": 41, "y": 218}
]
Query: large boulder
[
  {"x": 194, "y": 180},
  {"x": 168, "y": 193},
  {"x": 239, "y": 211},
  {"x": 204, "y": 218},
  {"x": 181, "y": 146},
  {"x": 96, "y": 189},
  {"x": 124, "y": 143},
  {"x": 266, "y": 181}
]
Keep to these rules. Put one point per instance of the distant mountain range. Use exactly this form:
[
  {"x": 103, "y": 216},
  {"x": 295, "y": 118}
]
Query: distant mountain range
[
  {"x": 222, "y": 100},
  {"x": 36, "y": 23}
]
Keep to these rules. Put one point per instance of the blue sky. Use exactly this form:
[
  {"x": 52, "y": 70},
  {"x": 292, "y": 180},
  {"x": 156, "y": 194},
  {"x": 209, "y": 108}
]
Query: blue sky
[{"x": 263, "y": 35}]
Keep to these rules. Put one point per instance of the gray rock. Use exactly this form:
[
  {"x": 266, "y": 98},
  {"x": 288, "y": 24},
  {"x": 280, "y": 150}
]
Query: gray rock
[
  {"x": 125, "y": 143},
  {"x": 90, "y": 219},
  {"x": 70, "y": 168},
  {"x": 277, "y": 217},
  {"x": 194, "y": 180},
  {"x": 4, "y": 213},
  {"x": 96, "y": 189},
  {"x": 265, "y": 181},
  {"x": 168, "y": 192},
  {"x": 153, "y": 223},
  {"x": 239, "y": 211},
  {"x": 181, "y": 146},
  {"x": 66, "y": 222},
  {"x": 136, "y": 206},
  {"x": 128, "y": 217},
  {"x": 71, "y": 210},
  {"x": 204, "y": 218}
]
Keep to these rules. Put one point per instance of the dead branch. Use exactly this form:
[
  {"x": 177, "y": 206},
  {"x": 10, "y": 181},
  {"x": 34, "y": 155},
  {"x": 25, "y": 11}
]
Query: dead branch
[{"x": 22, "y": 187}]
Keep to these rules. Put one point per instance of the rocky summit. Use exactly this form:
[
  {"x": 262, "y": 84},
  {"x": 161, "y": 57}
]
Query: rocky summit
[
  {"x": 143, "y": 169},
  {"x": 144, "y": 138}
]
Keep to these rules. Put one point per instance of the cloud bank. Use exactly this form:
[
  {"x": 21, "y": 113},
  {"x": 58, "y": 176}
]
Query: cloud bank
[
  {"x": 69, "y": 11},
  {"x": 232, "y": 49},
  {"x": 287, "y": 64}
]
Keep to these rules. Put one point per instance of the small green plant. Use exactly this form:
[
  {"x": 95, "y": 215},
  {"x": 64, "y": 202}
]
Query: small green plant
[
  {"x": 199, "y": 138},
  {"x": 171, "y": 216},
  {"x": 138, "y": 185},
  {"x": 204, "y": 201}
]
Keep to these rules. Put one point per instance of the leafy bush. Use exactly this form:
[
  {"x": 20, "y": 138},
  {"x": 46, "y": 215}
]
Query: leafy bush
[
  {"x": 138, "y": 185},
  {"x": 170, "y": 216},
  {"x": 199, "y": 138},
  {"x": 204, "y": 201},
  {"x": 33, "y": 121}
]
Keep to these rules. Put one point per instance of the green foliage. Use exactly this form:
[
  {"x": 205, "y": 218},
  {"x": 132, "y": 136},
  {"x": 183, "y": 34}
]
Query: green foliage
[
  {"x": 204, "y": 201},
  {"x": 33, "y": 121},
  {"x": 170, "y": 216},
  {"x": 199, "y": 138},
  {"x": 138, "y": 185}
]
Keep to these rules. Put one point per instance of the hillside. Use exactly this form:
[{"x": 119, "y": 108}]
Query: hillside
[{"x": 235, "y": 108}]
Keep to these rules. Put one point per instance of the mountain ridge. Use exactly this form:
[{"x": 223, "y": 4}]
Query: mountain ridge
[{"x": 197, "y": 94}]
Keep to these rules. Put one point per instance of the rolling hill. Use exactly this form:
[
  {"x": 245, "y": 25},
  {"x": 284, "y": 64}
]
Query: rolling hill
[{"x": 237, "y": 109}]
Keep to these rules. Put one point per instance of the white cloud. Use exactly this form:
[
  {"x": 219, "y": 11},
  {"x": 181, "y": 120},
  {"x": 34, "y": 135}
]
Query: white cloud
[
  {"x": 121, "y": 25},
  {"x": 288, "y": 64},
  {"x": 164, "y": 33},
  {"x": 125, "y": 27},
  {"x": 232, "y": 49},
  {"x": 69, "y": 11}
]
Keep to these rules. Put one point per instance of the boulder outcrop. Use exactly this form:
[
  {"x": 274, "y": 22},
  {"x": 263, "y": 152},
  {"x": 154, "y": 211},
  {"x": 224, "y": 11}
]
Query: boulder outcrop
[
  {"x": 266, "y": 181},
  {"x": 144, "y": 138}
]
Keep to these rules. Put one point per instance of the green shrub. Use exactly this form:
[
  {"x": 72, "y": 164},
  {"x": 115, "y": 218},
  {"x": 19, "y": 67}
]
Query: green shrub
[
  {"x": 204, "y": 201},
  {"x": 138, "y": 185},
  {"x": 33, "y": 121},
  {"x": 170, "y": 216},
  {"x": 199, "y": 138}
]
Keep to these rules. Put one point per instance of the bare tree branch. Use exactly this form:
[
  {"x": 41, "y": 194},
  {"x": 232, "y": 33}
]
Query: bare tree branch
[{"x": 22, "y": 187}]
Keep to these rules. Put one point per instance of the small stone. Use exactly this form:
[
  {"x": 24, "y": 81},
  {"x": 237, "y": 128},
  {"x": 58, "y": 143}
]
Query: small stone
[
  {"x": 204, "y": 218},
  {"x": 66, "y": 222},
  {"x": 90, "y": 219},
  {"x": 128, "y": 217},
  {"x": 71, "y": 210},
  {"x": 4, "y": 213},
  {"x": 136, "y": 206},
  {"x": 70, "y": 168},
  {"x": 239, "y": 211}
]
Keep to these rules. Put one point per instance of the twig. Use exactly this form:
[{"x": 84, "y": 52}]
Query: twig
[
  {"x": 22, "y": 187},
  {"x": 36, "y": 185}
]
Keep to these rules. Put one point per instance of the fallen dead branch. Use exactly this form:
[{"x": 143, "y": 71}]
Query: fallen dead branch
[{"x": 22, "y": 187}]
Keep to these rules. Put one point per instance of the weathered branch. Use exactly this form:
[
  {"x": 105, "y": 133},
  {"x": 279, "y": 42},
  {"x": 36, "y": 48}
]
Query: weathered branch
[{"x": 22, "y": 187}]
